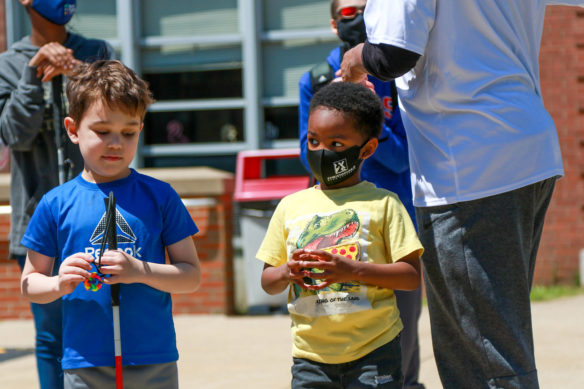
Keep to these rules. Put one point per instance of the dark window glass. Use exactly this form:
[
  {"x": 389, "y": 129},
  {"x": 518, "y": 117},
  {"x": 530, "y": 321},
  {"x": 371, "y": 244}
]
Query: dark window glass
[
  {"x": 196, "y": 85},
  {"x": 284, "y": 167},
  {"x": 281, "y": 123},
  {"x": 193, "y": 126}
]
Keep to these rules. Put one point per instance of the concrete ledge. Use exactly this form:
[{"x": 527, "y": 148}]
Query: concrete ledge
[
  {"x": 187, "y": 181},
  {"x": 194, "y": 181},
  {"x": 4, "y": 187}
]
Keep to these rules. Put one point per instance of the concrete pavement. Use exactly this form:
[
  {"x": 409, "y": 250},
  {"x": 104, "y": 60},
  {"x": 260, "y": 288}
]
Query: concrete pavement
[{"x": 254, "y": 351}]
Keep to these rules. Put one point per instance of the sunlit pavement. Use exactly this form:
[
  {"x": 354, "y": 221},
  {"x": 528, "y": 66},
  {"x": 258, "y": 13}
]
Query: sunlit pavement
[{"x": 254, "y": 351}]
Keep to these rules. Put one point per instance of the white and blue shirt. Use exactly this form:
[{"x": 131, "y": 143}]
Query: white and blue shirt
[{"x": 474, "y": 114}]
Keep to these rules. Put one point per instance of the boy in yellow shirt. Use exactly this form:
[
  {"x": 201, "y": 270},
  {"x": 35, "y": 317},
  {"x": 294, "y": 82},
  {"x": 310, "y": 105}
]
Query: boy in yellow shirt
[{"x": 343, "y": 246}]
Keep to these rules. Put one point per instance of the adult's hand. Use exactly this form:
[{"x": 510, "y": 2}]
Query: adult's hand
[
  {"x": 365, "y": 81},
  {"x": 352, "y": 69},
  {"x": 53, "y": 59}
]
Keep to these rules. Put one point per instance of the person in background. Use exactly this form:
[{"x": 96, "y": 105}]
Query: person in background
[
  {"x": 485, "y": 157},
  {"x": 29, "y": 70},
  {"x": 388, "y": 168}
]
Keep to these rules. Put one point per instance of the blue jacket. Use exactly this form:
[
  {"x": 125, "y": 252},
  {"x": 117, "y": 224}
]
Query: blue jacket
[{"x": 389, "y": 167}]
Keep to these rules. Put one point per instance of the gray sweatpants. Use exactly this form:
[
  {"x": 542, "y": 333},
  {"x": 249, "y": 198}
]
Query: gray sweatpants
[
  {"x": 156, "y": 376},
  {"x": 478, "y": 269},
  {"x": 409, "y": 304}
]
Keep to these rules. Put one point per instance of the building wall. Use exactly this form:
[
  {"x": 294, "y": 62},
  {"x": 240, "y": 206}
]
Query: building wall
[{"x": 562, "y": 80}]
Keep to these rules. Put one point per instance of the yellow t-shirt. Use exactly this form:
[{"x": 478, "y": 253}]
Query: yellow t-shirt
[{"x": 346, "y": 321}]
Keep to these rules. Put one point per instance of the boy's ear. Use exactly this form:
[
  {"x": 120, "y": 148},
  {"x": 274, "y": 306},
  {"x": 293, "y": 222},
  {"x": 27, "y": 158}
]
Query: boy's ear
[
  {"x": 71, "y": 128},
  {"x": 369, "y": 148}
]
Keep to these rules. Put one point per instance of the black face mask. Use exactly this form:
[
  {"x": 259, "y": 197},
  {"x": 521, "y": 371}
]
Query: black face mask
[
  {"x": 352, "y": 31},
  {"x": 332, "y": 167}
]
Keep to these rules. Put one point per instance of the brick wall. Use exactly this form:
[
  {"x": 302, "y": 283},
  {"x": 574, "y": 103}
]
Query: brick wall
[
  {"x": 214, "y": 246},
  {"x": 13, "y": 305},
  {"x": 562, "y": 80},
  {"x": 213, "y": 216}
]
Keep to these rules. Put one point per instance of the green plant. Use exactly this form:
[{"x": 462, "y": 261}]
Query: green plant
[{"x": 546, "y": 293}]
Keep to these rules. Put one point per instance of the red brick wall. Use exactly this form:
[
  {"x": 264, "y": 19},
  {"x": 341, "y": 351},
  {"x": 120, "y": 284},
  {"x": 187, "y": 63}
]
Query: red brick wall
[
  {"x": 215, "y": 251},
  {"x": 562, "y": 80}
]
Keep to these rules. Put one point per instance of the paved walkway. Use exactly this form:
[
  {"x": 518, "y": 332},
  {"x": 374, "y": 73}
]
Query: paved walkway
[{"x": 254, "y": 351}]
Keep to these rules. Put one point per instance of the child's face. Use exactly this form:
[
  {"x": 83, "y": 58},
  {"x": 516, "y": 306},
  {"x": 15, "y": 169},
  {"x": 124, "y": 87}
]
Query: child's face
[
  {"x": 108, "y": 140},
  {"x": 330, "y": 130}
]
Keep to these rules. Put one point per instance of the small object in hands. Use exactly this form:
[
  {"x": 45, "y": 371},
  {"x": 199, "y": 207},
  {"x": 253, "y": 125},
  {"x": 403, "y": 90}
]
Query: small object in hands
[
  {"x": 93, "y": 283},
  {"x": 349, "y": 250}
]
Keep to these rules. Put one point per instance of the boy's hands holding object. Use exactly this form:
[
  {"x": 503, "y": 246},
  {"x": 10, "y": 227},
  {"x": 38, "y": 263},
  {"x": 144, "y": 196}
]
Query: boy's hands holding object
[
  {"x": 121, "y": 267},
  {"x": 52, "y": 60},
  {"x": 326, "y": 267},
  {"x": 294, "y": 272},
  {"x": 73, "y": 271}
]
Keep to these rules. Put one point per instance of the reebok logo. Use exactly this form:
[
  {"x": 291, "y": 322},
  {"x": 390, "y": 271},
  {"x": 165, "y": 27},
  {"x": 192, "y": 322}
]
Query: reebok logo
[{"x": 124, "y": 233}]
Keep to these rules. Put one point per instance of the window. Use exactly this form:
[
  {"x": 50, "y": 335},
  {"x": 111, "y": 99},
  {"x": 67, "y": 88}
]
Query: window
[
  {"x": 195, "y": 85},
  {"x": 201, "y": 126},
  {"x": 281, "y": 123}
]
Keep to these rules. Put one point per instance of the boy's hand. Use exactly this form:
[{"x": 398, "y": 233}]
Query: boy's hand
[
  {"x": 53, "y": 59},
  {"x": 74, "y": 270},
  {"x": 334, "y": 268},
  {"x": 122, "y": 267},
  {"x": 294, "y": 271}
]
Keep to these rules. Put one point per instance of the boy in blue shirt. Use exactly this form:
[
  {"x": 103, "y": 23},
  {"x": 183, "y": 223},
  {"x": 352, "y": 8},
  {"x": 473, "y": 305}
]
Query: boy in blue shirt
[{"x": 107, "y": 104}]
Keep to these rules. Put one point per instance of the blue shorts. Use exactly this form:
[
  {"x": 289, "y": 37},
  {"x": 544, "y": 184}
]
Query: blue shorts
[{"x": 379, "y": 369}]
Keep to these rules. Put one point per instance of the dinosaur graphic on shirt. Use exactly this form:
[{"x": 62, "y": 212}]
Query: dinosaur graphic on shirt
[{"x": 335, "y": 234}]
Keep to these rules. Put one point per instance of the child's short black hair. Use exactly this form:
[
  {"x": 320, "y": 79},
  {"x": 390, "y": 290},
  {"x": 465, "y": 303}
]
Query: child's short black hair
[{"x": 356, "y": 102}]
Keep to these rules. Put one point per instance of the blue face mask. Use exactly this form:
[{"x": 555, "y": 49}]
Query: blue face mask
[{"x": 55, "y": 11}]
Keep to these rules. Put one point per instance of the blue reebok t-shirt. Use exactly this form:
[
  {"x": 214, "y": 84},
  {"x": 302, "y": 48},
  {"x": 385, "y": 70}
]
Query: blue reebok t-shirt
[{"x": 149, "y": 216}]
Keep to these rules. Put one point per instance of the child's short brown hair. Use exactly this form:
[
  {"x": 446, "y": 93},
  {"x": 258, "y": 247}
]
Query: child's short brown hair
[{"x": 111, "y": 82}]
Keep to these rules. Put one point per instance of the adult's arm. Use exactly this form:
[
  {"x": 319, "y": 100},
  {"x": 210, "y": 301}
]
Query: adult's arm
[
  {"x": 397, "y": 34},
  {"x": 306, "y": 93},
  {"x": 387, "y": 62},
  {"x": 21, "y": 105}
]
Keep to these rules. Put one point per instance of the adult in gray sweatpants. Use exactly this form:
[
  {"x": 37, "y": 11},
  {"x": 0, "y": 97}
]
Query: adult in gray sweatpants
[
  {"x": 27, "y": 126},
  {"x": 478, "y": 268},
  {"x": 484, "y": 156}
]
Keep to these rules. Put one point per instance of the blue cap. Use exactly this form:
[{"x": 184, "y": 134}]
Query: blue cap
[{"x": 56, "y": 11}]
